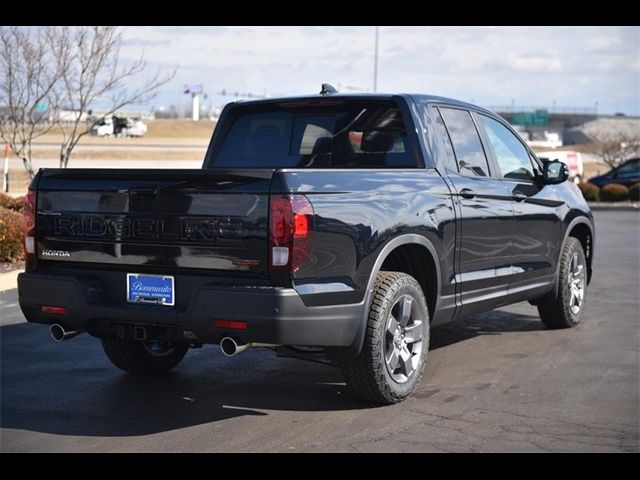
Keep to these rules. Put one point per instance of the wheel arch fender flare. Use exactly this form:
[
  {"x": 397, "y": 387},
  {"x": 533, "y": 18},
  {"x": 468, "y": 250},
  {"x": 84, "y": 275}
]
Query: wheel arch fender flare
[
  {"x": 576, "y": 221},
  {"x": 403, "y": 239},
  {"x": 580, "y": 220}
]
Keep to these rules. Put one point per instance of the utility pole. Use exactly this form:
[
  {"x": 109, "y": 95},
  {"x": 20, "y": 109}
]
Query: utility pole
[
  {"x": 195, "y": 106},
  {"x": 375, "y": 62},
  {"x": 5, "y": 176},
  {"x": 195, "y": 91}
]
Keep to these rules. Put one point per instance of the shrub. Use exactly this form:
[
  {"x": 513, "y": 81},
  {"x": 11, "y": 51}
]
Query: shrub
[
  {"x": 7, "y": 201},
  {"x": 590, "y": 192},
  {"x": 614, "y": 192},
  {"x": 634, "y": 192},
  {"x": 10, "y": 235}
]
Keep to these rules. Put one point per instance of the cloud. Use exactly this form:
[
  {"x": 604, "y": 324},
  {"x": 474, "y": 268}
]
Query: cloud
[
  {"x": 574, "y": 66},
  {"x": 534, "y": 63}
]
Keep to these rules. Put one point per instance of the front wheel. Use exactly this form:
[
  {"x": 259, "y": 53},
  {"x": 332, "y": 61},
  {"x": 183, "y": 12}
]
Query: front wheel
[
  {"x": 143, "y": 357},
  {"x": 391, "y": 363},
  {"x": 563, "y": 308}
]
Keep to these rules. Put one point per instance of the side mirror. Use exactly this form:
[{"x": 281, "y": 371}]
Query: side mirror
[{"x": 555, "y": 172}]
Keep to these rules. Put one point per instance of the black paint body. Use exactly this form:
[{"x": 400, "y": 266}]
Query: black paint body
[{"x": 209, "y": 228}]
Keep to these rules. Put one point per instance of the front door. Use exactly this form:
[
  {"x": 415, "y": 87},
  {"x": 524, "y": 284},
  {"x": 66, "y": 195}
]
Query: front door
[{"x": 536, "y": 226}]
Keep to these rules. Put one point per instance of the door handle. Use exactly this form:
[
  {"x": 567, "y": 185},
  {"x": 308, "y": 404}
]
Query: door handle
[
  {"x": 518, "y": 196},
  {"x": 467, "y": 193}
]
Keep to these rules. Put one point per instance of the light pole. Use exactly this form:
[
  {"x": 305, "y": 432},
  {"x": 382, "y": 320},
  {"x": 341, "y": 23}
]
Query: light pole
[
  {"x": 375, "y": 61},
  {"x": 195, "y": 91}
]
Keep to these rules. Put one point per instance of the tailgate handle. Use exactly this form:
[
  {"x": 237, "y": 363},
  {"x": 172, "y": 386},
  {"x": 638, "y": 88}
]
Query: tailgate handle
[{"x": 142, "y": 194}]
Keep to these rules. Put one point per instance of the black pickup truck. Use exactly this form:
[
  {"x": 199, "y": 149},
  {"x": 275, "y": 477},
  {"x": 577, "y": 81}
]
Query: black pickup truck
[{"x": 334, "y": 227}]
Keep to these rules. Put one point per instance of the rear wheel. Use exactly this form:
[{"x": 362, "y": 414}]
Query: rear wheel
[
  {"x": 143, "y": 357},
  {"x": 391, "y": 363},
  {"x": 563, "y": 309}
]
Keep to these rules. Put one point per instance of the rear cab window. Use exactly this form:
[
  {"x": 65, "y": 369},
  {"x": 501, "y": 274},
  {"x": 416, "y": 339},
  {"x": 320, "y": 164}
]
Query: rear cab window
[
  {"x": 336, "y": 134},
  {"x": 449, "y": 157}
]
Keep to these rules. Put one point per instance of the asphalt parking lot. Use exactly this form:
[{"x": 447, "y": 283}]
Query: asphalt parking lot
[{"x": 496, "y": 382}]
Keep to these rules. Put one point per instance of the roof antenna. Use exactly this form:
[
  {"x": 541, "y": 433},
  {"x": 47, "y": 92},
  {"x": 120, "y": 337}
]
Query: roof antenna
[{"x": 328, "y": 89}]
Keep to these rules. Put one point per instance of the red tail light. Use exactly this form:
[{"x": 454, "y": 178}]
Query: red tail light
[
  {"x": 290, "y": 231},
  {"x": 29, "y": 224}
]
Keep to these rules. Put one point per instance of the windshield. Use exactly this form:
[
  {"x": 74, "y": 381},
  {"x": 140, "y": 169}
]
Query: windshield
[{"x": 348, "y": 135}]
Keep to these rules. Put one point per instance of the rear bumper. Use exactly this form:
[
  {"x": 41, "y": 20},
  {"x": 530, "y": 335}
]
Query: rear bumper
[{"x": 274, "y": 315}]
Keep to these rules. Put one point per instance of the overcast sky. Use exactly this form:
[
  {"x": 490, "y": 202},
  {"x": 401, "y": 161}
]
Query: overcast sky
[{"x": 575, "y": 66}]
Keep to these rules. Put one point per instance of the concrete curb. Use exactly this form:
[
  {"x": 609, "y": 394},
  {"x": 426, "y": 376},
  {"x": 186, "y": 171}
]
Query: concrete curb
[
  {"x": 9, "y": 280},
  {"x": 631, "y": 206}
]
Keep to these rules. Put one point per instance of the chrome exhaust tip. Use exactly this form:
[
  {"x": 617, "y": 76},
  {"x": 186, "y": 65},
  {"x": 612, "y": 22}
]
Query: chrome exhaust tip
[
  {"x": 59, "y": 334},
  {"x": 230, "y": 347}
]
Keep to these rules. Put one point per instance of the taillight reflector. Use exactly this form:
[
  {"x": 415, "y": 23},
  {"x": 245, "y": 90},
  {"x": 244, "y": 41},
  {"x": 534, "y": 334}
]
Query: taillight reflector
[
  {"x": 231, "y": 324},
  {"x": 50, "y": 310}
]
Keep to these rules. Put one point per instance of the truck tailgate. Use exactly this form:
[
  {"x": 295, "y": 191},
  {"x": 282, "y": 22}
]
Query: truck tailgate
[{"x": 200, "y": 219}]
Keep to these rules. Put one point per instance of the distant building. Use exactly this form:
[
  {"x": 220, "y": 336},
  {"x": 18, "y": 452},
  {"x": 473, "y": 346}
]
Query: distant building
[
  {"x": 67, "y": 116},
  {"x": 549, "y": 128}
]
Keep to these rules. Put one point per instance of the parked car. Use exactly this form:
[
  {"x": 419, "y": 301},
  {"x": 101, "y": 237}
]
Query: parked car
[
  {"x": 626, "y": 174},
  {"x": 339, "y": 228},
  {"x": 573, "y": 160}
]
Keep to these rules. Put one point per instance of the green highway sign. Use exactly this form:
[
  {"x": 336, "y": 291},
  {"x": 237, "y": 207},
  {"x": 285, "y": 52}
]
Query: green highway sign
[{"x": 538, "y": 117}]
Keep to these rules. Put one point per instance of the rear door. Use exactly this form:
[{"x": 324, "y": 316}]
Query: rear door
[
  {"x": 485, "y": 215},
  {"x": 537, "y": 223}
]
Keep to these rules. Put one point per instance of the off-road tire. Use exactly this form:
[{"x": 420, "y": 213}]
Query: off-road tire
[
  {"x": 367, "y": 375},
  {"x": 554, "y": 308}
]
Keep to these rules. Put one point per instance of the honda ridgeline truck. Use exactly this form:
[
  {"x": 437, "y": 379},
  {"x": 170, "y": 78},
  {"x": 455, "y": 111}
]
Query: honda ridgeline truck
[{"x": 340, "y": 227}]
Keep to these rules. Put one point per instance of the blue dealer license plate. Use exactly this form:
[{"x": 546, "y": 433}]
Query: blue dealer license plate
[{"x": 150, "y": 289}]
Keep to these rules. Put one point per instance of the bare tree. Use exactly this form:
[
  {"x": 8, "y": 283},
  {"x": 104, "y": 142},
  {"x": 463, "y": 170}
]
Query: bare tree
[
  {"x": 76, "y": 69},
  {"x": 29, "y": 75},
  {"x": 95, "y": 74},
  {"x": 614, "y": 140},
  {"x": 615, "y": 151}
]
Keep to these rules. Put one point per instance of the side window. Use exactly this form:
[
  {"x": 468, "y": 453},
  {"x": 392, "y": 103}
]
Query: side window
[
  {"x": 512, "y": 156},
  {"x": 466, "y": 142},
  {"x": 441, "y": 130}
]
